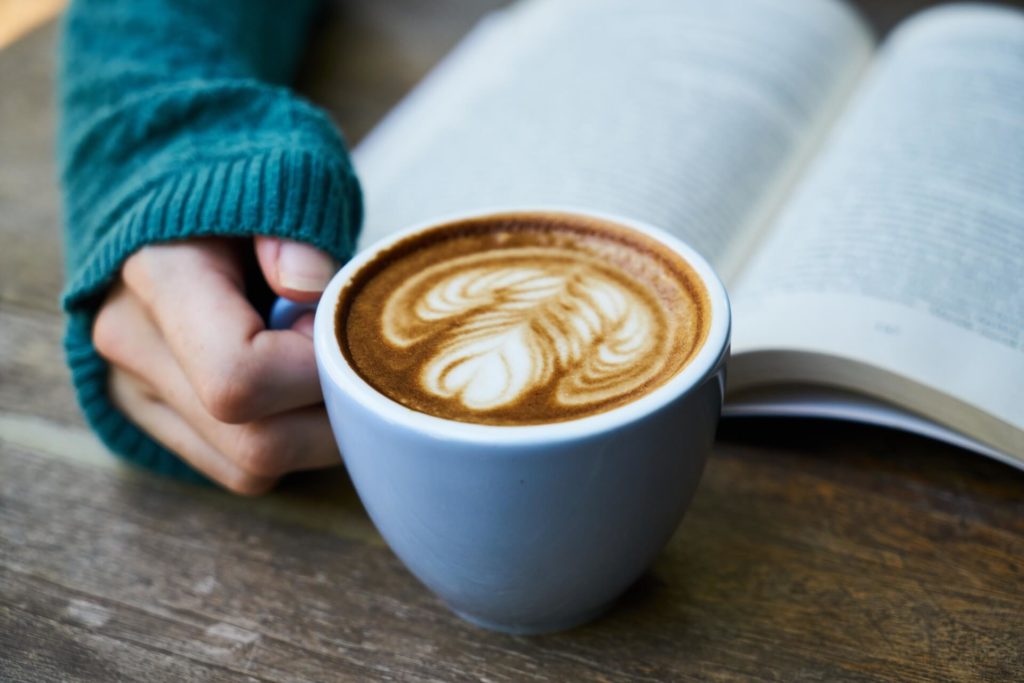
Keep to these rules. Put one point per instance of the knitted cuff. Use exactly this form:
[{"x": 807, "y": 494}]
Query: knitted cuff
[{"x": 294, "y": 194}]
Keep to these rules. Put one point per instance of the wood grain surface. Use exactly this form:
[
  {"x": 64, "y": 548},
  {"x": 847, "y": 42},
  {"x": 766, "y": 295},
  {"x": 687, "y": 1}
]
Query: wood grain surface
[{"x": 812, "y": 551}]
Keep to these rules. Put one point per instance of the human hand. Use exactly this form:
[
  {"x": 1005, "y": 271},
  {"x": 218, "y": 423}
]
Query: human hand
[{"x": 192, "y": 363}]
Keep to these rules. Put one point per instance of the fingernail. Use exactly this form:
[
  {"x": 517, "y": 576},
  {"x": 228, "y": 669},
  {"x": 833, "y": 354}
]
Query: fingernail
[{"x": 303, "y": 268}]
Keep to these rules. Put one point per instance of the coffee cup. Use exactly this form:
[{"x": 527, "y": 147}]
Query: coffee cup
[{"x": 534, "y": 525}]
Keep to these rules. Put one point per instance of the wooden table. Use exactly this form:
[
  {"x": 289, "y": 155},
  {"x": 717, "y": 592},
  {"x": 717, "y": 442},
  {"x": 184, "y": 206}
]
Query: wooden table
[{"x": 813, "y": 550}]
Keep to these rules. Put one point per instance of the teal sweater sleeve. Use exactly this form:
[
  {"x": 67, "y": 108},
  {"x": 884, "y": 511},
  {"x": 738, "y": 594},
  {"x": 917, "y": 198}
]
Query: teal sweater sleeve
[{"x": 175, "y": 123}]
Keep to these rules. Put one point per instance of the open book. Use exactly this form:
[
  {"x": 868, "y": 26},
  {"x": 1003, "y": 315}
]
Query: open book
[{"x": 864, "y": 204}]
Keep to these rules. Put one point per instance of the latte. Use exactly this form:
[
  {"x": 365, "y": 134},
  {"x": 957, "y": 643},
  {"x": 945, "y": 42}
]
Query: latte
[{"x": 523, "y": 318}]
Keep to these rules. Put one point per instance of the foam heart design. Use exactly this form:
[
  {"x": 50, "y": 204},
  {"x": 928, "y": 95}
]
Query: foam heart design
[{"x": 501, "y": 325}]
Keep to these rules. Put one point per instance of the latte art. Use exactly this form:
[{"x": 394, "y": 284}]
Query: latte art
[
  {"x": 522, "y": 319},
  {"x": 503, "y": 324}
]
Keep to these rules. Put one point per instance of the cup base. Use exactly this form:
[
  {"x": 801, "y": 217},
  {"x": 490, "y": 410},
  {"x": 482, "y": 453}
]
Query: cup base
[{"x": 535, "y": 628}]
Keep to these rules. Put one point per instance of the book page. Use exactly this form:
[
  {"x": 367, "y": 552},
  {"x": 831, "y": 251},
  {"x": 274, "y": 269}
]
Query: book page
[
  {"x": 686, "y": 114},
  {"x": 831, "y": 404},
  {"x": 898, "y": 266}
]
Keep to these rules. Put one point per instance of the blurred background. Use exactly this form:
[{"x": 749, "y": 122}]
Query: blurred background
[{"x": 351, "y": 61}]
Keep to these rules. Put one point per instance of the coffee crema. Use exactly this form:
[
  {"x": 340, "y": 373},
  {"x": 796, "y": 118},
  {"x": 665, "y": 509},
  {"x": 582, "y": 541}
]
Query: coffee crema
[{"x": 524, "y": 318}]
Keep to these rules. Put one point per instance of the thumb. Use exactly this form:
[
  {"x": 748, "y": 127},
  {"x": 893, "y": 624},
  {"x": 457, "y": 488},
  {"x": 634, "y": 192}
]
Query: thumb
[{"x": 294, "y": 270}]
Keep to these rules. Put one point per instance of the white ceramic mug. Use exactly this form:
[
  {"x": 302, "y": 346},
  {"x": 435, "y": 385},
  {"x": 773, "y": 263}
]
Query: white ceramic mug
[{"x": 528, "y": 529}]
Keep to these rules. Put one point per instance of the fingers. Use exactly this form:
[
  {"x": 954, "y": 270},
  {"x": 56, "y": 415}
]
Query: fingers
[
  {"x": 304, "y": 324},
  {"x": 294, "y": 270},
  {"x": 240, "y": 371},
  {"x": 176, "y": 435},
  {"x": 254, "y": 452}
]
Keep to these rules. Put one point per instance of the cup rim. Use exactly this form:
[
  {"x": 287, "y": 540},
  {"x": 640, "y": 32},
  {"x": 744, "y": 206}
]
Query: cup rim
[{"x": 346, "y": 379}]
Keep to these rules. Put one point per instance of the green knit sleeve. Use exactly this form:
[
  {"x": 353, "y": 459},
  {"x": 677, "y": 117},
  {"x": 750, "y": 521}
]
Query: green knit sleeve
[{"x": 175, "y": 123}]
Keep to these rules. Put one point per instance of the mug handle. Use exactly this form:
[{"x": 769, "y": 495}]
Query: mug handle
[{"x": 285, "y": 312}]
